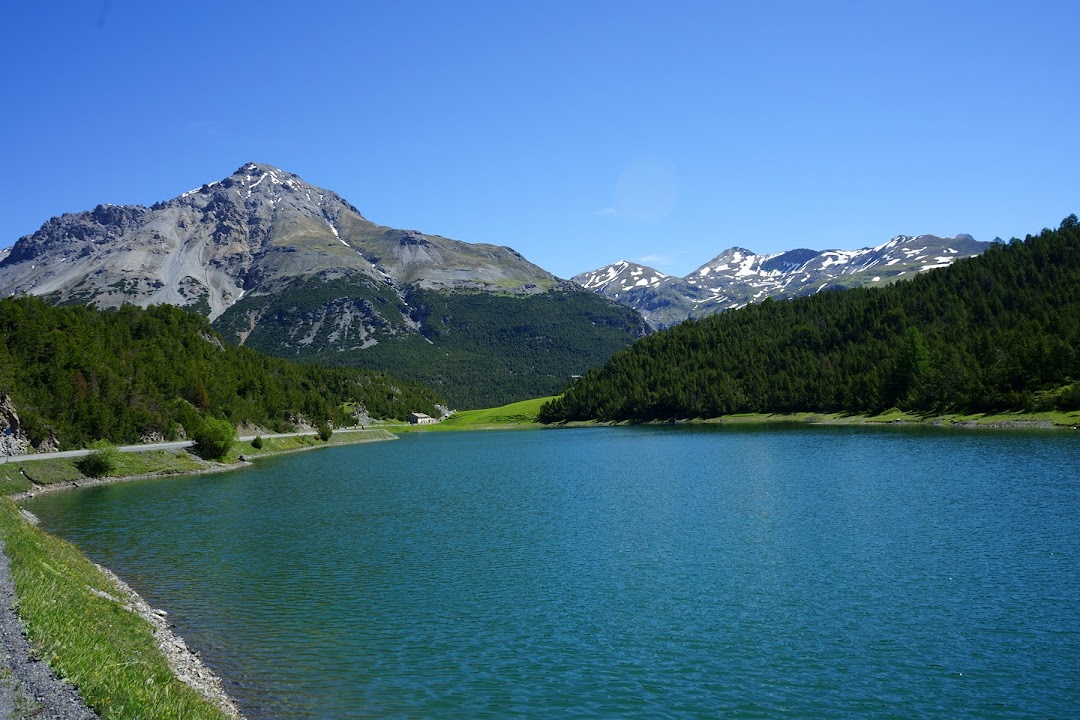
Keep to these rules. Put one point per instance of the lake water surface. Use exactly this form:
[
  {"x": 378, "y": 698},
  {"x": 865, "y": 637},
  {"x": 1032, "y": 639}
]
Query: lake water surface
[{"x": 653, "y": 572}]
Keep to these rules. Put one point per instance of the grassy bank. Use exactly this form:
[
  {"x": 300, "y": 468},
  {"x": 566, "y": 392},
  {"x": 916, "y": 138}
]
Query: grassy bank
[
  {"x": 1049, "y": 419},
  {"x": 1040, "y": 420},
  {"x": 515, "y": 415},
  {"x": 277, "y": 445},
  {"x": 523, "y": 415},
  {"x": 76, "y": 619},
  {"x": 17, "y": 475}
]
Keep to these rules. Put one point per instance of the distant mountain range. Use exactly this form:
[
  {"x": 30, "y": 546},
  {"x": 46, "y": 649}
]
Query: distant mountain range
[
  {"x": 738, "y": 276},
  {"x": 295, "y": 270},
  {"x": 996, "y": 333}
]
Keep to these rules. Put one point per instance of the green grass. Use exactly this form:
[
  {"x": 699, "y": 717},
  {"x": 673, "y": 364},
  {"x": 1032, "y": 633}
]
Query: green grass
[
  {"x": 12, "y": 479},
  {"x": 16, "y": 476},
  {"x": 272, "y": 446},
  {"x": 155, "y": 461},
  {"x": 519, "y": 414},
  {"x": 90, "y": 640},
  {"x": 49, "y": 472}
]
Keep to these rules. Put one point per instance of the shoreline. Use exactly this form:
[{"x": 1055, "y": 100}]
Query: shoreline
[
  {"x": 184, "y": 663},
  {"x": 1065, "y": 421},
  {"x": 210, "y": 467}
]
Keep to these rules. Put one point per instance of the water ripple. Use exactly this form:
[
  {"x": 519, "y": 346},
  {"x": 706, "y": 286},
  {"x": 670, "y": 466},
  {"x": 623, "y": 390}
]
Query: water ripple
[{"x": 621, "y": 573}]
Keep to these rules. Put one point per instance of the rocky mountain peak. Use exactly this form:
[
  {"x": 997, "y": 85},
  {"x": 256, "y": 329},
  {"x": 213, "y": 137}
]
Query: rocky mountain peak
[
  {"x": 249, "y": 232},
  {"x": 738, "y": 276}
]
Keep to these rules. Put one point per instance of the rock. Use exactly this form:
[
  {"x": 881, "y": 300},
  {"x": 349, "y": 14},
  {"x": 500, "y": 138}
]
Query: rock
[
  {"x": 13, "y": 440},
  {"x": 48, "y": 445}
]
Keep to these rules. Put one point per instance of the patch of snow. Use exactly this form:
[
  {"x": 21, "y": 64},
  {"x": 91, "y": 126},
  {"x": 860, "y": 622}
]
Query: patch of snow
[
  {"x": 334, "y": 230},
  {"x": 875, "y": 279},
  {"x": 891, "y": 243},
  {"x": 836, "y": 257},
  {"x": 641, "y": 283},
  {"x": 747, "y": 267},
  {"x": 924, "y": 268}
]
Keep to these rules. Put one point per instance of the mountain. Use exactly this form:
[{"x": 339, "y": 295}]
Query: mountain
[
  {"x": 297, "y": 271},
  {"x": 996, "y": 332},
  {"x": 738, "y": 277}
]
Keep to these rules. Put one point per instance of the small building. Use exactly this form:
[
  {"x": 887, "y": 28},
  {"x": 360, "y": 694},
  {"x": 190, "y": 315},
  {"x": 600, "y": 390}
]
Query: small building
[{"x": 421, "y": 419}]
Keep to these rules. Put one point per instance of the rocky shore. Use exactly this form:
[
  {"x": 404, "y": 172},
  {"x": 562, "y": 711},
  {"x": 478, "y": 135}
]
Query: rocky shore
[
  {"x": 28, "y": 686},
  {"x": 30, "y": 689}
]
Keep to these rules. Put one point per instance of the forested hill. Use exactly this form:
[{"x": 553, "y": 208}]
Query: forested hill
[
  {"x": 997, "y": 332},
  {"x": 76, "y": 374}
]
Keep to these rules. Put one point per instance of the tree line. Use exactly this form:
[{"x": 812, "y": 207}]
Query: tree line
[
  {"x": 77, "y": 374},
  {"x": 997, "y": 332}
]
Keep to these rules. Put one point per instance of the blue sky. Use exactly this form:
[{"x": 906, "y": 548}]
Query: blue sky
[{"x": 578, "y": 133}]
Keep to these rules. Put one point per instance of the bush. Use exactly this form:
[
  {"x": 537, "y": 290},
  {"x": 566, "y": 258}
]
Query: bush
[
  {"x": 325, "y": 432},
  {"x": 101, "y": 461},
  {"x": 257, "y": 443},
  {"x": 213, "y": 438}
]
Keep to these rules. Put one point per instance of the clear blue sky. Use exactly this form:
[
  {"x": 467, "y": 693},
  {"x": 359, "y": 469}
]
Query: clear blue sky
[{"x": 578, "y": 133}]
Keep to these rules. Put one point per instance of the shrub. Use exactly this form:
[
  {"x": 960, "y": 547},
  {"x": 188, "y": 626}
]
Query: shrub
[
  {"x": 101, "y": 461},
  {"x": 213, "y": 438},
  {"x": 257, "y": 443},
  {"x": 325, "y": 432}
]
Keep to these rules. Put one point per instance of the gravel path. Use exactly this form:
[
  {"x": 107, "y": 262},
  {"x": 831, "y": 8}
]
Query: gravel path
[{"x": 28, "y": 687}]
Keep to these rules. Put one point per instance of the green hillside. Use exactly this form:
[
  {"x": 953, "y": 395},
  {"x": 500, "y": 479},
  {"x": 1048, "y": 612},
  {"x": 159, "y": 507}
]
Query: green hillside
[
  {"x": 993, "y": 333},
  {"x": 77, "y": 374},
  {"x": 478, "y": 349}
]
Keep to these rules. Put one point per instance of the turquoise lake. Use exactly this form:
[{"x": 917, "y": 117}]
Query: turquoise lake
[{"x": 640, "y": 572}]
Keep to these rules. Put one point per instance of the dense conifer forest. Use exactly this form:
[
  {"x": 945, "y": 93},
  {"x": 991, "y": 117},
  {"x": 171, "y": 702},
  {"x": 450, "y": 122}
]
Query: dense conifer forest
[
  {"x": 999, "y": 332},
  {"x": 77, "y": 374}
]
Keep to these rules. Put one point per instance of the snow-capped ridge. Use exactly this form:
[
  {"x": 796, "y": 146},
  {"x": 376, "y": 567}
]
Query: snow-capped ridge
[{"x": 738, "y": 276}]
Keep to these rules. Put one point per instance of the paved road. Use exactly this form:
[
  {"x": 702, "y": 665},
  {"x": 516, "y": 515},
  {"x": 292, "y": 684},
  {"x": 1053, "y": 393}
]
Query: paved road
[{"x": 178, "y": 445}]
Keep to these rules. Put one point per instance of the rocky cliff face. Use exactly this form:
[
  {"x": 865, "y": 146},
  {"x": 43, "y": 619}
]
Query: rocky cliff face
[
  {"x": 13, "y": 440},
  {"x": 247, "y": 233},
  {"x": 738, "y": 276}
]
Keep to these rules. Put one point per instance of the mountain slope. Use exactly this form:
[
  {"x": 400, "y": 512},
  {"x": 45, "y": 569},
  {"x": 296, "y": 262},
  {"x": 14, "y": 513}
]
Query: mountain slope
[
  {"x": 299, "y": 272},
  {"x": 1000, "y": 331},
  {"x": 737, "y": 276},
  {"x": 75, "y": 374},
  {"x": 257, "y": 227}
]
